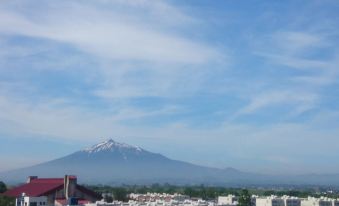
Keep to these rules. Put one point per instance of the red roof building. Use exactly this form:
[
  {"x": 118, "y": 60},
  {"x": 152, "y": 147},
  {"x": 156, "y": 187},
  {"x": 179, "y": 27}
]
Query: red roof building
[{"x": 60, "y": 189}]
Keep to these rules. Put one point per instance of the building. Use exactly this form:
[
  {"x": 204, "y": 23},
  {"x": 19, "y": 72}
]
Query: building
[
  {"x": 31, "y": 201},
  {"x": 269, "y": 201},
  {"x": 151, "y": 197},
  {"x": 323, "y": 201},
  {"x": 291, "y": 201},
  {"x": 254, "y": 200},
  {"x": 159, "y": 202},
  {"x": 57, "y": 191},
  {"x": 227, "y": 200},
  {"x": 335, "y": 202}
]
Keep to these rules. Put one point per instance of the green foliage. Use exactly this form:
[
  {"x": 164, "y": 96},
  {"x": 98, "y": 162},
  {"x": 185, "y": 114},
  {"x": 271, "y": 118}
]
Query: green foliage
[
  {"x": 295, "y": 193},
  {"x": 6, "y": 201},
  {"x": 3, "y": 187},
  {"x": 108, "y": 199},
  {"x": 120, "y": 194},
  {"x": 245, "y": 198}
]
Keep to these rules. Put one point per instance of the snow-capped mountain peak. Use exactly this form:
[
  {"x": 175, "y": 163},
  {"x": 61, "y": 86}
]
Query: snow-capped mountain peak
[{"x": 111, "y": 145}]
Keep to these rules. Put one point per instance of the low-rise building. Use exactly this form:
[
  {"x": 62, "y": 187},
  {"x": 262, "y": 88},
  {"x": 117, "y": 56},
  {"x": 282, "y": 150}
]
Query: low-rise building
[
  {"x": 156, "y": 199},
  {"x": 253, "y": 200},
  {"x": 291, "y": 201},
  {"x": 30, "y": 201},
  {"x": 335, "y": 202},
  {"x": 227, "y": 200},
  {"x": 312, "y": 201},
  {"x": 157, "y": 196},
  {"x": 56, "y": 191},
  {"x": 269, "y": 201}
]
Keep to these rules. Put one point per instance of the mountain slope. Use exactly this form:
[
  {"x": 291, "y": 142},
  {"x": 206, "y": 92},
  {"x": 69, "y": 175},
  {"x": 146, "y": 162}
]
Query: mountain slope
[
  {"x": 114, "y": 163},
  {"x": 111, "y": 162}
]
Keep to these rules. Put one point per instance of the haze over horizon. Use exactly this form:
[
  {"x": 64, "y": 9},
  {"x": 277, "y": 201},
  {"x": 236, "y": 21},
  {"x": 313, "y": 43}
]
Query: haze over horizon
[{"x": 250, "y": 85}]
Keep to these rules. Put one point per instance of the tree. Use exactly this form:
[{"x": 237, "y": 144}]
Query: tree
[
  {"x": 120, "y": 194},
  {"x": 108, "y": 198},
  {"x": 245, "y": 198},
  {"x": 188, "y": 191},
  {"x": 3, "y": 187},
  {"x": 269, "y": 193},
  {"x": 7, "y": 201}
]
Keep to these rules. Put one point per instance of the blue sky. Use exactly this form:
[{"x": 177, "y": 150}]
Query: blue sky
[{"x": 252, "y": 85}]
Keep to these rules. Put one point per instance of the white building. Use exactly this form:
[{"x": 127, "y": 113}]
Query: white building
[
  {"x": 154, "y": 199},
  {"x": 312, "y": 201},
  {"x": 227, "y": 200},
  {"x": 151, "y": 197},
  {"x": 31, "y": 201},
  {"x": 253, "y": 200},
  {"x": 187, "y": 202},
  {"x": 291, "y": 201},
  {"x": 269, "y": 201},
  {"x": 335, "y": 202}
]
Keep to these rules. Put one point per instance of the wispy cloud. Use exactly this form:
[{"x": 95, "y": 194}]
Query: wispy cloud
[
  {"x": 223, "y": 82},
  {"x": 296, "y": 42},
  {"x": 46, "y": 118},
  {"x": 126, "y": 48},
  {"x": 292, "y": 54},
  {"x": 107, "y": 34},
  {"x": 301, "y": 102}
]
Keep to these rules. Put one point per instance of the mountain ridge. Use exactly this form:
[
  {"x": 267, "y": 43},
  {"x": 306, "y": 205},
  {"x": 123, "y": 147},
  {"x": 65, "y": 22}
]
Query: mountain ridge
[{"x": 111, "y": 162}]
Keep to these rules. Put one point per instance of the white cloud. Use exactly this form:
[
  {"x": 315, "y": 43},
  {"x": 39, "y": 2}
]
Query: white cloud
[
  {"x": 300, "y": 101},
  {"x": 297, "y": 56},
  {"x": 296, "y": 62},
  {"x": 125, "y": 39},
  {"x": 297, "y": 42},
  {"x": 107, "y": 35},
  {"x": 56, "y": 118}
]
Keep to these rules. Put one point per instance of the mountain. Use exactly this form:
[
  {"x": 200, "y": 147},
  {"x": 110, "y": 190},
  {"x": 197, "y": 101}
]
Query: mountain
[{"x": 114, "y": 163}]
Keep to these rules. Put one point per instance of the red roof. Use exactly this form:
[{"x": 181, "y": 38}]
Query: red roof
[
  {"x": 43, "y": 186},
  {"x": 36, "y": 188},
  {"x": 51, "y": 180},
  {"x": 48, "y": 180}
]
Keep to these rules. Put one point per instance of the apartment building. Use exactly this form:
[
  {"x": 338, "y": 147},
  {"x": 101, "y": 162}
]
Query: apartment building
[
  {"x": 291, "y": 201},
  {"x": 269, "y": 201},
  {"x": 227, "y": 200},
  {"x": 312, "y": 201}
]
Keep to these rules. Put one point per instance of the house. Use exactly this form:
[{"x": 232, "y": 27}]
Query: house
[
  {"x": 30, "y": 201},
  {"x": 58, "y": 191}
]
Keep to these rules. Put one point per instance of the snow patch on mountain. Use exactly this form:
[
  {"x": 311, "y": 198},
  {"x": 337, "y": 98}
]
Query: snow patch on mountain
[{"x": 111, "y": 145}]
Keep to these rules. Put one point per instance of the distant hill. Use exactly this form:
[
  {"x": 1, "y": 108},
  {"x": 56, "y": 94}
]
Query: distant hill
[{"x": 115, "y": 163}]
